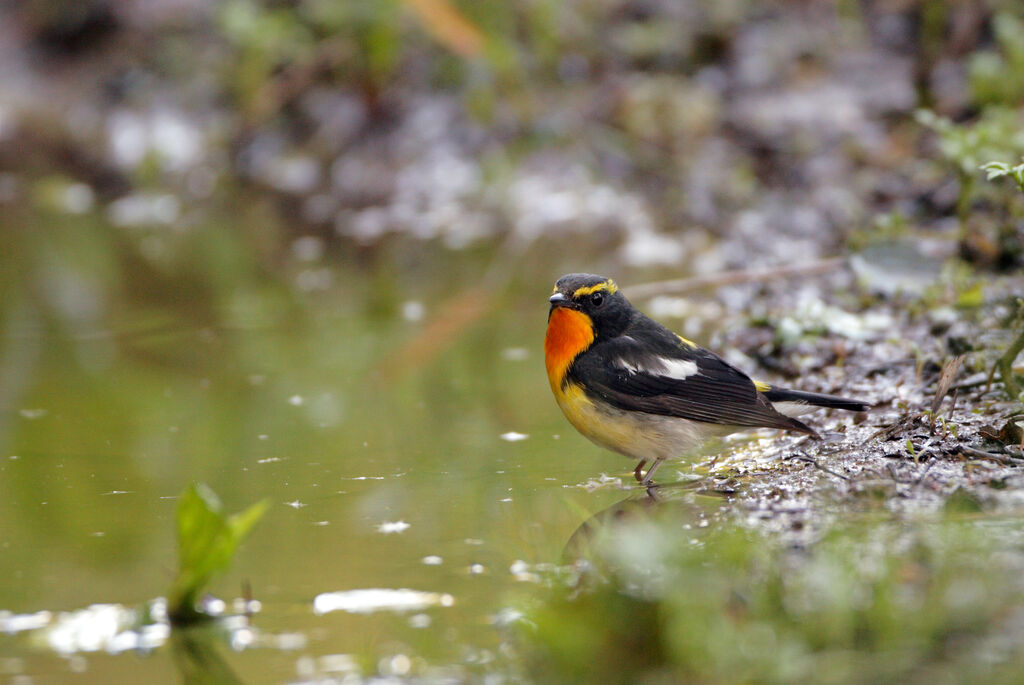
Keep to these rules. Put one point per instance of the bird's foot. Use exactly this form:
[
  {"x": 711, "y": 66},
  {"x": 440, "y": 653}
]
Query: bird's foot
[
  {"x": 646, "y": 482},
  {"x": 638, "y": 472}
]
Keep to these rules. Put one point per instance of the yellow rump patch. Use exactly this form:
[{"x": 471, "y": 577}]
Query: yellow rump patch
[
  {"x": 608, "y": 285},
  {"x": 762, "y": 386}
]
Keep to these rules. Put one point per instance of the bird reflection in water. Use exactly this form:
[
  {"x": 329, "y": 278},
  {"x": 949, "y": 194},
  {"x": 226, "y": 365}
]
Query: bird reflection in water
[{"x": 620, "y": 532}]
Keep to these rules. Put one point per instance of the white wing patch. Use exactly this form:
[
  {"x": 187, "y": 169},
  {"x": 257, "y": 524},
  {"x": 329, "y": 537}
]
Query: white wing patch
[{"x": 680, "y": 369}]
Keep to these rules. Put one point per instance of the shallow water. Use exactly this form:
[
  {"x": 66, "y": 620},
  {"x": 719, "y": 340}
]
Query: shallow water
[{"x": 395, "y": 457}]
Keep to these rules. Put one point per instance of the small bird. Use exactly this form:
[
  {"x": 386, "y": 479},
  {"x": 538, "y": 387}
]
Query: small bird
[{"x": 633, "y": 386}]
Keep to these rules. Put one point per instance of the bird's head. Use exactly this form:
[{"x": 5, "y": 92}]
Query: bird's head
[{"x": 597, "y": 297}]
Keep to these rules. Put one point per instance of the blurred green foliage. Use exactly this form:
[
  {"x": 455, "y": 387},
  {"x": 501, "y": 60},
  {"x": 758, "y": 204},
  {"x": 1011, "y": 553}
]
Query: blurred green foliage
[
  {"x": 987, "y": 212},
  {"x": 1006, "y": 361},
  {"x": 879, "y": 602},
  {"x": 996, "y": 76},
  {"x": 996, "y": 135},
  {"x": 492, "y": 51},
  {"x": 207, "y": 541},
  {"x": 1000, "y": 169}
]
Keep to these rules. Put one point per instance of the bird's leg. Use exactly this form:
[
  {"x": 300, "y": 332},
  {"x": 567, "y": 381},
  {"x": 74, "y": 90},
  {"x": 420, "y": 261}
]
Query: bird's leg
[
  {"x": 638, "y": 471},
  {"x": 650, "y": 472}
]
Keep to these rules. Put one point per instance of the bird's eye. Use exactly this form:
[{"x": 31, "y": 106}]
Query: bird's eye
[{"x": 597, "y": 299}]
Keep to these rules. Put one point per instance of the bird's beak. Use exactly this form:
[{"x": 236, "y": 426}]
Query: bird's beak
[{"x": 558, "y": 300}]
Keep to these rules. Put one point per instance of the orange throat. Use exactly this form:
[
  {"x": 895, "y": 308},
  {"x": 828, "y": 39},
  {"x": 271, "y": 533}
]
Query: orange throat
[{"x": 569, "y": 333}]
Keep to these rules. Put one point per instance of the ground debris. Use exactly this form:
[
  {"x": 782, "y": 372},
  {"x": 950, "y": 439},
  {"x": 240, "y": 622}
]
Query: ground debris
[{"x": 937, "y": 439}]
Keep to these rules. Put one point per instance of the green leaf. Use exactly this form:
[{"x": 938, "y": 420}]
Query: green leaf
[
  {"x": 971, "y": 297},
  {"x": 996, "y": 169},
  {"x": 207, "y": 542}
]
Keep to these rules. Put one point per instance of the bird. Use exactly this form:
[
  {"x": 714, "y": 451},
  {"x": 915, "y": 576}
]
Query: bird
[{"x": 633, "y": 386}]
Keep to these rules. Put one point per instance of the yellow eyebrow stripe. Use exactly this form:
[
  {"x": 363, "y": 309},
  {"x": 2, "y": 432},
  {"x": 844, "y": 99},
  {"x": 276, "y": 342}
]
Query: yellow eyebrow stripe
[{"x": 608, "y": 285}]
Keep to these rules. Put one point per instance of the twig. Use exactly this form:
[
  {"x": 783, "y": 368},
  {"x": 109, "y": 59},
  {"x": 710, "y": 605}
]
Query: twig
[
  {"x": 247, "y": 598},
  {"x": 685, "y": 285},
  {"x": 982, "y": 454},
  {"x": 972, "y": 381},
  {"x": 812, "y": 460},
  {"x": 838, "y": 451},
  {"x": 892, "y": 428},
  {"x": 920, "y": 453},
  {"x": 893, "y": 472},
  {"x": 927, "y": 468}
]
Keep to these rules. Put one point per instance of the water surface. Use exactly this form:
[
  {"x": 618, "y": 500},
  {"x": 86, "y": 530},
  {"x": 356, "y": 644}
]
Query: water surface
[{"x": 405, "y": 438}]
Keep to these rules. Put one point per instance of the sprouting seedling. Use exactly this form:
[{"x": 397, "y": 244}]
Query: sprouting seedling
[
  {"x": 207, "y": 541},
  {"x": 999, "y": 169}
]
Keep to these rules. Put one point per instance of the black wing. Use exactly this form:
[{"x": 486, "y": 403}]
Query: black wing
[{"x": 667, "y": 377}]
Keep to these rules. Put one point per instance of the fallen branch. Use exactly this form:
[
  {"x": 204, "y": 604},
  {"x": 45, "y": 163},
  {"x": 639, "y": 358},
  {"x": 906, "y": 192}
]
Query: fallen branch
[
  {"x": 887, "y": 431},
  {"x": 993, "y": 456},
  {"x": 685, "y": 285}
]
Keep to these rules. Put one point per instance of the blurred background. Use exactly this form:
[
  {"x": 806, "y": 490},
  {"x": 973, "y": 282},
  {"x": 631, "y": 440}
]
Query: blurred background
[{"x": 301, "y": 250}]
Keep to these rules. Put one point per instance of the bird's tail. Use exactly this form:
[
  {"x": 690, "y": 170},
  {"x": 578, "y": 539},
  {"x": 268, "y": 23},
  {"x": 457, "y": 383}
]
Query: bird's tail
[{"x": 796, "y": 400}]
